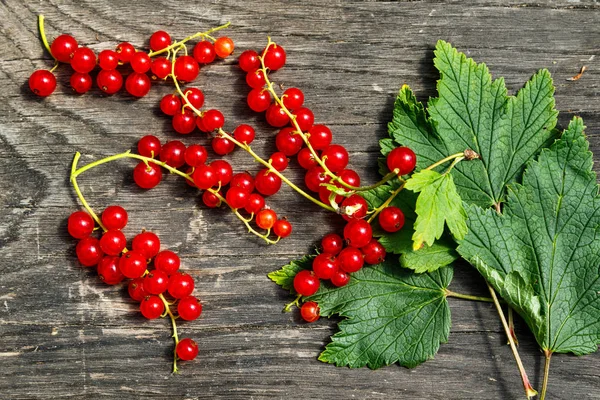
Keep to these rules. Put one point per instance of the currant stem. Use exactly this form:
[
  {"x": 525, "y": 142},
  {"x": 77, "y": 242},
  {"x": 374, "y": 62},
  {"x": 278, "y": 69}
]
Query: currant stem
[
  {"x": 174, "y": 325},
  {"x": 43, "y": 35},
  {"x": 460, "y": 156},
  {"x": 548, "y": 356},
  {"x": 80, "y": 195},
  {"x": 377, "y": 210},
  {"x": 511, "y": 325},
  {"x": 450, "y": 293},
  {"x": 194, "y": 36},
  {"x": 296, "y": 302}
]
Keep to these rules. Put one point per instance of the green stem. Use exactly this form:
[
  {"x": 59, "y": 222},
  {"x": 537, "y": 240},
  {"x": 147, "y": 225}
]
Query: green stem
[
  {"x": 43, "y": 34},
  {"x": 194, "y": 36},
  {"x": 377, "y": 210},
  {"x": 460, "y": 155},
  {"x": 548, "y": 355},
  {"x": 450, "y": 293},
  {"x": 511, "y": 325},
  {"x": 174, "y": 325}
]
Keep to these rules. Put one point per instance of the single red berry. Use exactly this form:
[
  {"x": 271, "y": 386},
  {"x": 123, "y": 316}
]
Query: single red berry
[
  {"x": 156, "y": 282},
  {"x": 391, "y": 219},
  {"x": 136, "y": 289},
  {"x": 108, "y": 270},
  {"x": 152, "y": 307},
  {"x": 81, "y": 83},
  {"x": 186, "y": 349},
  {"x": 189, "y": 308},
  {"x": 237, "y": 197},
  {"x": 276, "y": 116},
  {"x": 340, "y": 278},
  {"x": 184, "y": 122},
  {"x": 249, "y": 61},
  {"x": 200, "y": 124},
  {"x": 223, "y": 171},
  {"x": 319, "y": 137},
  {"x": 113, "y": 242},
  {"x": 306, "y": 159},
  {"x": 195, "y": 97},
  {"x": 314, "y": 178},
  {"x": 204, "y": 52},
  {"x": 88, "y": 251},
  {"x": 149, "y": 146},
  {"x": 222, "y": 146},
  {"x": 180, "y": 285},
  {"x": 161, "y": 67},
  {"x": 279, "y": 161},
  {"x": 167, "y": 261},
  {"x": 195, "y": 155},
  {"x": 63, "y": 47},
  {"x": 244, "y": 134},
  {"x": 293, "y": 98},
  {"x": 325, "y": 265},
  {"x": 205, "y": 177},
  {"x": 335, "y": 157},
  {"x": 310, "y": 311},
  {"x": 374, "y": 252},
  {"x": 403, "y": 159},
  {"x": 146, "y": 243},
  {"x": 173, "y": 153},
  {"x": 210, "y": 199},
  {"x": 243, "y": 180},
  {"x": 224, "y": 46},
  {"x": 108, "y": 60},
  {"x": 267, "y": 183},
  {"x": 138, "y": 84},
  {"x": 288, "y": 141},
  {"x": 114, "y": 217},
  {"x": 125, "y": 51},
  {"x": 282, "y": 228},
  {"x": 354, "y": 207},
  {"x": 332, "y": 243},
  {"x": 159, "y": 40},
  {"x": 213, "y": 119},
  {"x": 110, "y": 82},
  {"x": 140, "y": 62},
  {"x": 132, "y": 264},
  {"x": 170, "y": 104},
  {"x": 147, "y": 176},
  {"x": 350, "y": 177},
  {"x": 186, "y": 68},
  {"x": 83, "y": 60},
  {"x": 274, "y": 57},
  {"x": 304, "y": 118},
  {"x": 255, "y": 203},
  {"x": 358, "y": 233},
  {"x": 265, "y": 219},
  {"x": 259, "y": 99},
  {"x": 306, "y": 283},
  {"x": 42, "y": 82},
  {"x": 351, "y": 259},
  {"x": 80, "y": 224},
  {"x": 256, "y": 79}
]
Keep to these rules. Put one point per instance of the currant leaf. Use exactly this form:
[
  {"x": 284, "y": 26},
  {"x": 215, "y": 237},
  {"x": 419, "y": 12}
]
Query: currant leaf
[
  {"x": 430, "y": 258},
  {"x": 542, "y": 254}
]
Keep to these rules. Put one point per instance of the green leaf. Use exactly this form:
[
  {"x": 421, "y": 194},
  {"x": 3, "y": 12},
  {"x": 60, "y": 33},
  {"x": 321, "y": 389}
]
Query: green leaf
[
  {"x": 430, "y": 258},
  {"x": 542, "y": 254},
  {"x": 392, "y": 315},
  {"x": 284, "y": 277},
  {"x": 438, "y": 204}
]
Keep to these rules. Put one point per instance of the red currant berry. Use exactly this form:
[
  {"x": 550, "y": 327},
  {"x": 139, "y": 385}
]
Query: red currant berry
[
  {"x": 224, "y": 171},
  {"x": 88, "y": 251},
  {"x": 306, "y": 283},
  {"x": 132, "y": 264},
  {"x": 211, "y": 200},
  {"x": 186, "y": 68},
  {"x": 306, "y": 159},
  {"x": 354, "y": 207},
  {"x": 147, "y": 176},
  {"x": 80, "y": 224},
  {"x": 293, "y": 98},
  {"x": 265, "y": 219},
  {"x": 108, "y": 60},
  {"x": 310, "y": 311},
  {"x": 205, "y": 177},
  {"x": 304, "y": 118},
  {"x": 340, "y": 278},
  {"x": 161, "y": 67},
  {"x": 108, "y": 270},
  {"x": 332, "y": 243},
  {"x": 282, "y": 228},
  {"x": 374, "y": 252},
  {"x": 110, "y": 82},
  {"x": 335, "y": 157},
  {"x": 195, "y": 97},
  {"x": 249, "y": 61},
  {"x": 156, "y": 282},
  {"x": 391, "y": 219},
  {"x": 243, "y": 180},
  {"x": 255, "y": 203},
  {"x": 189, "y": 308},
  {"x": 244, "y": 134},
  {"x": 152, "y": 307},
  {"x": 237, "y": 197},
  {"x": 81, "y": 83},
  {"x": 279, "y": 161},
  {"x": 267, "y": 183},
  {"x": 62, "y": 48},
  {"x": 358, "y": 233},
  {"x": 113, "y": 242},
  {"x": 222, "y": 146},
  {"x": 319, "y": 137},
  {"x": 288, "y": 141},
  {"x": 149, "y": 146},
  {"x": 83, "y": 60},
  {"x": 136, "y": 289},
  {"x": 350, "y": 177},
  {"x": 259, "y": 99},
  {"x": 186, "y": 349},
  {"x": 173, "y": 153},
  {"x": 167, "y": 261},
  {"x": 114, "y": 217},
  {"x": 256, "y": 79},
  {"x": 184, "y": 122},
  {"x": 125, "y": 51},
  {"x": 146, "y": 243},
  {"x": 180, "y": 285},
  {"x": 195, "y": 155},
  {"x": 159, "y": 40},
  {"x": 200, "y": 124},
  {"x": 324, "y": 265},
  {"x": 403, "y": 159},
  {"x": 42, "y": 82},
  {"x": 351, "y": 259},
  {"x": 314, "y": 178},
  {"x": 204, "y": 52},
  {"x": 224, "y": 46},
  {"x": 276, "y": 116},
  {"x": 170, "y": 104},
  {"x": 212, "y": 120},
  {"x": 140, "y": 62},
  {"x": 274, "y": 57},
  {"x": 138, "y": 85}
]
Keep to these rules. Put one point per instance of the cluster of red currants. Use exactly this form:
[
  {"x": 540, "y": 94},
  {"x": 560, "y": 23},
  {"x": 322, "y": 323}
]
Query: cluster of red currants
[{"x": 114, "y": 263}]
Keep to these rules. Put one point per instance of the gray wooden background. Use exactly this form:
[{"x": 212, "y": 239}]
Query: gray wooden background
[{"x": 63, "y": 334}]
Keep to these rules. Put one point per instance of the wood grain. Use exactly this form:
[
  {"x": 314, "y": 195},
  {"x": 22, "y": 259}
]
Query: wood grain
[{"x": 63, "y": 334}]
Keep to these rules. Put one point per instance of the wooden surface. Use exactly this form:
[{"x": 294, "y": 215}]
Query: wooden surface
[{"x": 63, "y": 334}]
